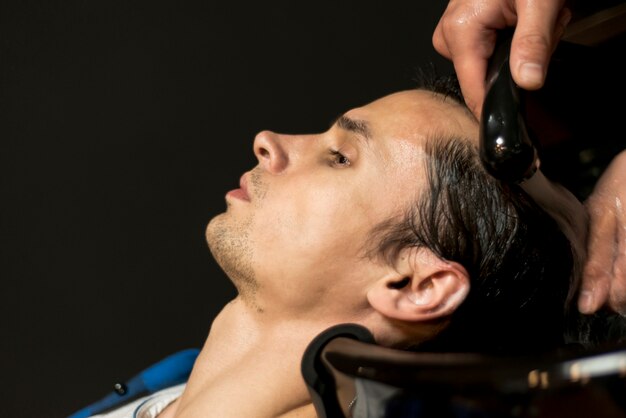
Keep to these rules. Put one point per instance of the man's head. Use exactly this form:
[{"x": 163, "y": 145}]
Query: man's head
[{"x": 386, "y": 219}]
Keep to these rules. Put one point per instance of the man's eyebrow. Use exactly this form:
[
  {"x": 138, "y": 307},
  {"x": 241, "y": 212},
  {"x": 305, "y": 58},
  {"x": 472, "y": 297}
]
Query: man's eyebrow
[{"x": 357, "y": 126}]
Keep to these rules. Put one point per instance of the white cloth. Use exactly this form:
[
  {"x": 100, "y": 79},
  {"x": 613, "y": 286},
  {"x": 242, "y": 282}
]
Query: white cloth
[{"x": 147, "y": 407}]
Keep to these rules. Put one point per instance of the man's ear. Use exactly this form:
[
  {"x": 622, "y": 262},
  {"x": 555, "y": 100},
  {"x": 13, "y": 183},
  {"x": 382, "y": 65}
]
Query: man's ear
[{"x": 422, "y": 287}]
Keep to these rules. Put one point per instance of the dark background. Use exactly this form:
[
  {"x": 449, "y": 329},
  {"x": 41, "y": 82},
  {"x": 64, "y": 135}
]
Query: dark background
[{"x": 122, "y": 125}]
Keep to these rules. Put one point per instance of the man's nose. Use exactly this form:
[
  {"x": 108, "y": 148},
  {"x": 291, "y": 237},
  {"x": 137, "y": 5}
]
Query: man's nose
[{"x": 270, "y": 152}]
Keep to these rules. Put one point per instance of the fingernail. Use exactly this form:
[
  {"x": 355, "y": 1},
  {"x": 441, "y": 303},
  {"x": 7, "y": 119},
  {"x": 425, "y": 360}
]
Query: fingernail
[
  {"x": 531, "y": 74},
  {"x": 585, "y": 302},
  {"x": 566, "y": 17}
]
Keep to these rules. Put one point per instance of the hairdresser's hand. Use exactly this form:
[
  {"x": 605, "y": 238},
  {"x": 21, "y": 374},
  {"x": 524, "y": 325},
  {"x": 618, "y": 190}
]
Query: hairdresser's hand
[
  {"x": 466, "y": 34},
  {"x": 604, "y": 275}
]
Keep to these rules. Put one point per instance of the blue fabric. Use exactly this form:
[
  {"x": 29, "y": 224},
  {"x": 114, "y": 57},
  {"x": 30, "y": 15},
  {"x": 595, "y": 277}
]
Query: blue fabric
[{"x": 172, "y": 370}]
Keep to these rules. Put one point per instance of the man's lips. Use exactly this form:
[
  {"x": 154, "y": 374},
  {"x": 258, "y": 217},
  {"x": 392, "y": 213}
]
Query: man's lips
[{"x": 242, "y": 192}]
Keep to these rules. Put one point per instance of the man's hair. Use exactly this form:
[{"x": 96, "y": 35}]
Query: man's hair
[{"x": 518, "y": 260}]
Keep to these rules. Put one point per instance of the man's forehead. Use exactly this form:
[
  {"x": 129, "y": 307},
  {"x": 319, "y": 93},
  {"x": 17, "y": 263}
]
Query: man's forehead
[{"x": 412, "y": 112}]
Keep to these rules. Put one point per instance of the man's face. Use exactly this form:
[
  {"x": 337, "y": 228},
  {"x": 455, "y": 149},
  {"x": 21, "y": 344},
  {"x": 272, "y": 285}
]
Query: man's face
[{"x": 294, "y": 234}]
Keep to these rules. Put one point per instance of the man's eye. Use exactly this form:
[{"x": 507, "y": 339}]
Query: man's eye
[{"x": 338, "y": 159}]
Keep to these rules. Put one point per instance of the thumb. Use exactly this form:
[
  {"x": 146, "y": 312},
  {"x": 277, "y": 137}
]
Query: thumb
[{"x": 539, "y": 28}]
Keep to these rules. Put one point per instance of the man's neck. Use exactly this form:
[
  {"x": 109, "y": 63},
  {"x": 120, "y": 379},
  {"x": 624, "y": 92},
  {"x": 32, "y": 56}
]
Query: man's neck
[{"x": 250, "y": 366}]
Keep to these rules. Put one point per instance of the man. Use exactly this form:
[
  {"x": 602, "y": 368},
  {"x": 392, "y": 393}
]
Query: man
[{"x": 386, "y": 220}]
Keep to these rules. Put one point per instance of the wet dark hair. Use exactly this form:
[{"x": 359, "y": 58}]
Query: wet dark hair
[
  {"x": 519, "y": 262},
  {"x": 447, "y": 86}
]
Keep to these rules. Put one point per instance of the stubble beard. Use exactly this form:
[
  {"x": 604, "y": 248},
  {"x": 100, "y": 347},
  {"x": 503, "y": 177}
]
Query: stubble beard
[{"x": 230, "y": 244}]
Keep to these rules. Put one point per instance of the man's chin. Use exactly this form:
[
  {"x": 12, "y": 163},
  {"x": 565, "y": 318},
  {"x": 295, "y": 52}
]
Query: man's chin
[
  {"x": 216, "y": 232},
  {"x": 209, "y": 230},
  {"x": 230, "y": 246}
]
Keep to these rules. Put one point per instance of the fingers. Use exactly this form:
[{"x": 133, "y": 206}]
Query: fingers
[
  {"x": 598, "y": 270},
  {"x": 465, "y": 39},
  {"x": 541, "y": 24},
  {"x": 439, "y": 41},
  {"x": 616, "y": 298},
  {"x": 470, "y": 66},
  {"x": 470, "y": 71},
  {"x": 617, "y": 291}
]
